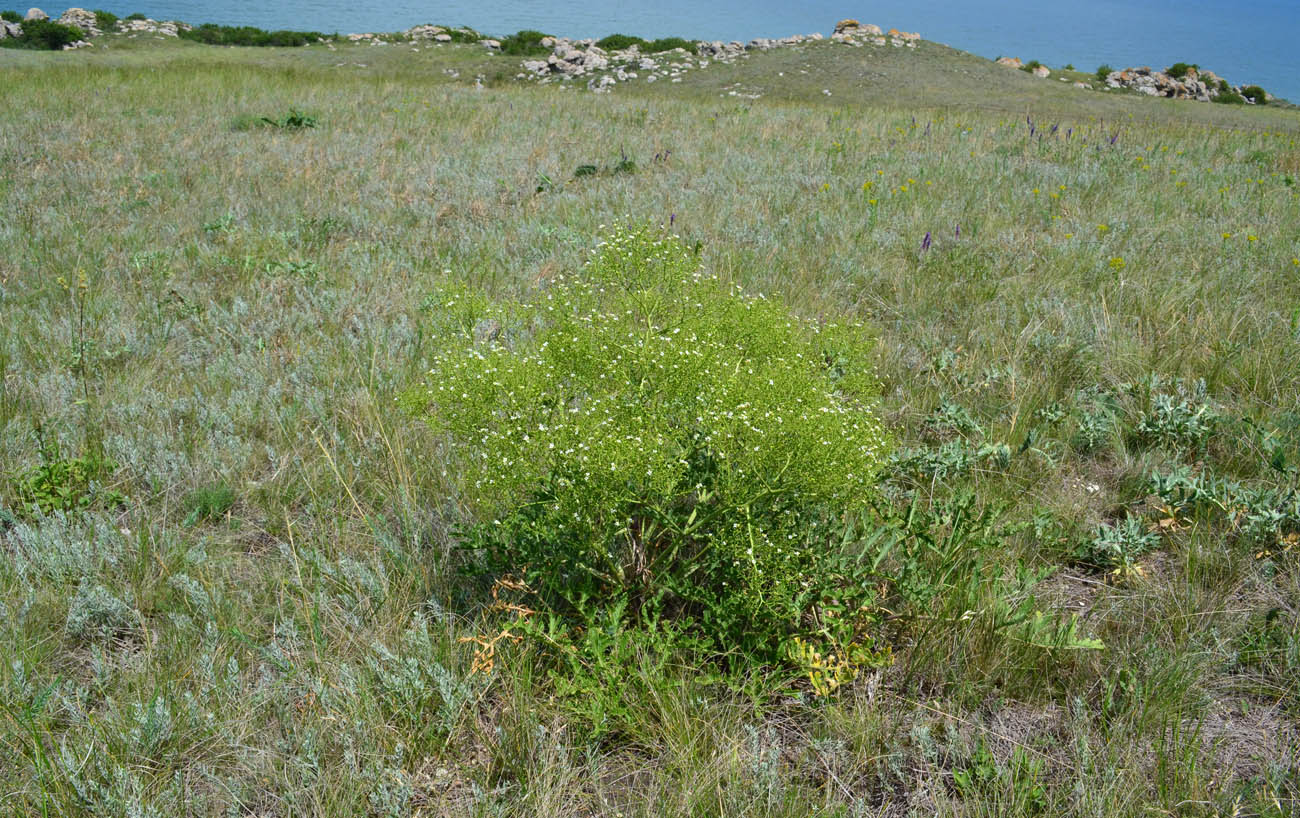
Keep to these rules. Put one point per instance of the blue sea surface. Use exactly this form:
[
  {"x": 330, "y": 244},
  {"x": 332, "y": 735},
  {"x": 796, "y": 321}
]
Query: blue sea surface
[{"x": 1247, "y": 41}]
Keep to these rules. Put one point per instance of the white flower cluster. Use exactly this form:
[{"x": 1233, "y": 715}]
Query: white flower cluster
[{"x": 617, "y": 385}]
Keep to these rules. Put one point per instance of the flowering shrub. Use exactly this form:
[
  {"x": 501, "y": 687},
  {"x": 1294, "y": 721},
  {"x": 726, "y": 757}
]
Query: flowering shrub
[{"x": 642, "y": 444}]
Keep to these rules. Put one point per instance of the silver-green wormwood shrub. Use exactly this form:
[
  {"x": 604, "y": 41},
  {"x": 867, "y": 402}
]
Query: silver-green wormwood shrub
[{"x": 643, "y": 444}]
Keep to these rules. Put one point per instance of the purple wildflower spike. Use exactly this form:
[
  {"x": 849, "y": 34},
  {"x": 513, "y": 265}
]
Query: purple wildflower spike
[{"x": 925, "y": 242}]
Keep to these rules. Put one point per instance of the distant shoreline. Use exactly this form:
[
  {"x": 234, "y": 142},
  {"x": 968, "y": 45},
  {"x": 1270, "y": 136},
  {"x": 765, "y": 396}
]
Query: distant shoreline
[{"x": 1140, "y": 79}]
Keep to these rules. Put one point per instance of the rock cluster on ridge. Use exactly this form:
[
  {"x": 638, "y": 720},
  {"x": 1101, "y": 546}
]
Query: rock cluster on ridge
[
  {"x": 851, "y": 32},
  {"x": 1194, "y": 83}
]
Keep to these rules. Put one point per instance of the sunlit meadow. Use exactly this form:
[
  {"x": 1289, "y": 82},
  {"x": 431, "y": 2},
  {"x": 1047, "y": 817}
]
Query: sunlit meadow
[{"x": 229, "y": 557}]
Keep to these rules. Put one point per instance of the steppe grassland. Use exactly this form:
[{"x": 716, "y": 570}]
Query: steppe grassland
[{"x": 254, "y": 298}]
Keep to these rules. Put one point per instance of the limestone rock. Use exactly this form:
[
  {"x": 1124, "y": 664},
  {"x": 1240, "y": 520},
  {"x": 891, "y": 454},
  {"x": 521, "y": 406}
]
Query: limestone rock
[
  {"x": 82, "y": 19},
  {"x": 1010, "y": 62},
  {"x": 1200, "y": 85},
  {"x": 36, "y": 14},
  {"x": 425, "y": 32},
  {"x": 167, "y": 28},
  {"x": 851, "y": 32},
  {"x": 1042, "y": 72}
]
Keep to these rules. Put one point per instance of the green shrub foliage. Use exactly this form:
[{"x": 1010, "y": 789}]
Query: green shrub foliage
[
  {"x": 525, "y": 43},
  {"x": 641, "y": 441},
  {"x": 1255, "y": 94},
  {"x": 667, "y": 44},
  {"x": 213, "y": 34},
  {"x": 44, "y": 35},
  {"x": 618, "y": 42}
]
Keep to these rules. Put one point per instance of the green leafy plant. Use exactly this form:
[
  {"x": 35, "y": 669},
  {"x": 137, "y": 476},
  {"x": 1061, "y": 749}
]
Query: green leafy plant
[
  {"x": 1093, "y": 429},
  {"x": 1180, "y": 69},
  {"x": 61, "y": 483},
  {"x": 294, "y": 120},
  {"x": 949, "y": 459},
  {"x": 1118, "y": 547},
  {"x": 105, "y": 20},
  {"x": 625, "y": 164},
  {"x": 1176, "y": 423},
  {"x": 1018, "y": 787},
  {"x": 11, "y": 16},
  {"x": 308, "y": 271},
  {"x": 950, "y": 419},
  {"x": 641, "y": 437},
  {"x": 1103, "y": 71}
]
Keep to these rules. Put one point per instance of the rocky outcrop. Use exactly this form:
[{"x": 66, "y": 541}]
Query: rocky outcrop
[
  {"x": 570, "y": 59},
  {"x": 82, "y": 19},
  {"x": 425, "y": 32},
  {"x": 36, "y": 14},
  {"x": 164, "y": 28},
  {"x": 851, "y": 32},
  {"x": 719, "y": 50},
  {"x": 1195, "y": 84},
  {"x": 764, "y": 43},
  {"x": 8, "y": 29},
  {"x": 576, "y": 58}
]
